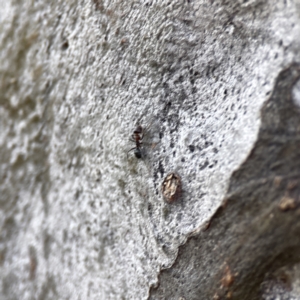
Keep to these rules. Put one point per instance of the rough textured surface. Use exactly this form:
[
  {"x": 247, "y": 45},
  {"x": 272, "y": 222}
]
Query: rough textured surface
[
  {"x": 256, "y": 231},
  {"x": 81, "y": 218}
]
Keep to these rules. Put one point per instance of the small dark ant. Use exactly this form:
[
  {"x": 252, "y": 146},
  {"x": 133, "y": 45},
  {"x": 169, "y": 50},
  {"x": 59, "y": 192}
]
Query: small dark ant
[{"x": 137, "y": 137}]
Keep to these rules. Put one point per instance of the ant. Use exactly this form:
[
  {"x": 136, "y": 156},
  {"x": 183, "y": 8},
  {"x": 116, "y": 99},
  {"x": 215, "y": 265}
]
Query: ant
[{"x": 137, "y": 137}]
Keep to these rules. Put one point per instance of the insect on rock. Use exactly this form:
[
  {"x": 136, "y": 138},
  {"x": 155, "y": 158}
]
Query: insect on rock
[
  {"x": 137, "y": 138},
  {"x": 171, "y": 187}
]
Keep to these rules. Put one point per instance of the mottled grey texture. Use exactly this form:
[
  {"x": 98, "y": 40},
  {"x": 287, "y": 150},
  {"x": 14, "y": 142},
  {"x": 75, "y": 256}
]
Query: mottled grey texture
[
  {"x": 81, "y": 219},
  {"x": 253, "y": 234}
]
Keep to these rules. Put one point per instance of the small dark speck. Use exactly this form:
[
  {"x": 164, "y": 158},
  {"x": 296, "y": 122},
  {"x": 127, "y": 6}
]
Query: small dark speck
[
  {"x": 161, "y": 169},
  {"x": 192, "y": 148},
  {"x": 179, "y": 216},
  {"x": 183, "y": 159},
  {"x": 202, "y": 167},
  {"x": 161, "y": 134},
  {"x": 65, "y": 45},
  {"x": 215, "y": 150}
]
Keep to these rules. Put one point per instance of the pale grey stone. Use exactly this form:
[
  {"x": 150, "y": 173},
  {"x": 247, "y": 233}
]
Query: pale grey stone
[{"x": 81, "y": 218}]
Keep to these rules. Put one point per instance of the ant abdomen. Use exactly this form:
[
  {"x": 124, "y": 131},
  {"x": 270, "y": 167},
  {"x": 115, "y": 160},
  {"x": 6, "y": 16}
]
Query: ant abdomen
[{"x": 138, "y": 153}]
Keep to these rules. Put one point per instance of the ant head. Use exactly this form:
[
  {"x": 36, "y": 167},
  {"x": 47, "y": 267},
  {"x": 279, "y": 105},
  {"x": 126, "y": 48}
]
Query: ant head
[
  {"x": 138, "y": 129},
  {"x": 137, "y": 152}
]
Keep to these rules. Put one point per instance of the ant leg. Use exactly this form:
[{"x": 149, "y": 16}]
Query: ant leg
[
  {"x": 154, "y": 145},
  {"x": 149, "y": 125},
  {"x": 146, "y": 129},
  {"x": 130, "y": 151}
]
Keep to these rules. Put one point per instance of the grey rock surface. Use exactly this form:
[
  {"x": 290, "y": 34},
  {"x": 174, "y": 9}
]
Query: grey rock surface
[{"x": 216, "y": 85}]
